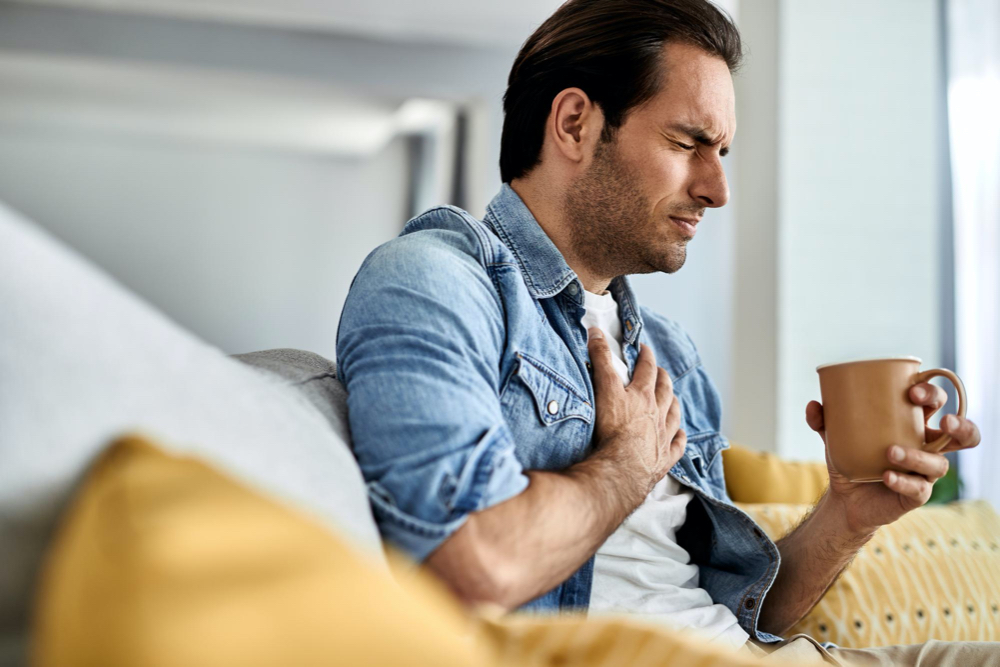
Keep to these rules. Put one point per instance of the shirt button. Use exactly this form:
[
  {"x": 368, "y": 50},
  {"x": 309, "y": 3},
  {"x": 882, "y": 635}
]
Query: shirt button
[
  {"x": 572, "y": 289},
  {"x": 553, "y": 407},
  {"x": 750, "y": 603}
]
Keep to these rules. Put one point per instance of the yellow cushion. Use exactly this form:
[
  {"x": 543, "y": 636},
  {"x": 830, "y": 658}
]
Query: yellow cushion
[
  {"x": 933, "y": 574},
  {"x": 760, "y": 477},
  {"x": 162, "y": 560}
]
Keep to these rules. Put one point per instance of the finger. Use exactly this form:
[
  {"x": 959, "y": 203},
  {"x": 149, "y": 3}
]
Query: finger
[
  {"x": 600, "y": 358},
  {"x": 680, "y": 440},
  {"x": 928, "y": 395},
  {"x": 913, "y": 487},
  {"x": 644, "y": 373},
  {"x": 814, "y": 416},
  {"x": 673, "y": 418},
  {"x": 664, "y": 389},
  {"x": 930, "y": 465},
  {"x": 963, "y": 431}
]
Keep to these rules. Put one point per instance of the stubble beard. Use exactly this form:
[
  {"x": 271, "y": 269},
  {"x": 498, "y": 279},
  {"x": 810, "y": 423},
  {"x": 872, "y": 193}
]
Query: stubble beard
[{"x": 613, "y": 231}]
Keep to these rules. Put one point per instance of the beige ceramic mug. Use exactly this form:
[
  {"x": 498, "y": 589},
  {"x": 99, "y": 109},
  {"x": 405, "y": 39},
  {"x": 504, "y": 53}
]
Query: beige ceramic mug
[{"x": 867, "y": 409}]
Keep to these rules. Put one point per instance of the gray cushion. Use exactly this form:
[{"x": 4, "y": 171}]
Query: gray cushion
[
  {"x": 82, "y": 360},
  {"x": 313, "y": 376}
]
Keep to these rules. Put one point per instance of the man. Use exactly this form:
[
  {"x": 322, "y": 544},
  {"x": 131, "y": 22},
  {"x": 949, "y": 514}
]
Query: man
[{"x": 510, "y": 402}]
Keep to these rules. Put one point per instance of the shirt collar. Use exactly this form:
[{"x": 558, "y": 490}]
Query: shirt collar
[
  {"x": 543, "y": 266},
  {"x": 545, "y": 270}
]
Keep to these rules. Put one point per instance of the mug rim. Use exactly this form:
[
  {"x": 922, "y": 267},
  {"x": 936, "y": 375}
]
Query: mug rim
[{"x": 858, "y": 361}]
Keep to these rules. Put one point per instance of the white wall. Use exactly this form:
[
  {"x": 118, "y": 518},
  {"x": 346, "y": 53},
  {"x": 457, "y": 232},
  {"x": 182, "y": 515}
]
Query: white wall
[
  {"x": 859, "y": 195},
  {"x": 754, "y": 336},
  {"x": 250, "y": 250},
  {"x": 371, "y": 68}
]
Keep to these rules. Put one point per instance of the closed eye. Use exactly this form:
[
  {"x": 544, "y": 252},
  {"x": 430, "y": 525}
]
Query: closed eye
[{"x": 684, "y": 146}]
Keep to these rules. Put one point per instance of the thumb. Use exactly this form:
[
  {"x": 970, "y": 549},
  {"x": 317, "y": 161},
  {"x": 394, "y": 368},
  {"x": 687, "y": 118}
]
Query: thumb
[
  {"x": 814, "y": 418},
  {"x": 600, "y": 355}
]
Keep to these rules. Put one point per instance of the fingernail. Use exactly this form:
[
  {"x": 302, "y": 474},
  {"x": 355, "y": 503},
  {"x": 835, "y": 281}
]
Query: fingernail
[
  {"x": 948, "y": 422},
  {"x": 920, "y": 392},
  {"x": 896, "y": 453},
  {"x": 594, "y": 332},
  {"x": 892, "y": 478}
]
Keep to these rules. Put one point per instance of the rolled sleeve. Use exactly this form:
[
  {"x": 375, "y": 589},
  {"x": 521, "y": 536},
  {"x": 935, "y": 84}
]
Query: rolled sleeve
[
  {"x": 488, "y": 475},
  {"x": 418, "y": 349}
]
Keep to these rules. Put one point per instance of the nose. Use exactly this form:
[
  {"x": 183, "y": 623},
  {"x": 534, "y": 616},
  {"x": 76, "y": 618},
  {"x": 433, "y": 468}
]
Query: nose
[{"x": 710, "y": 185}]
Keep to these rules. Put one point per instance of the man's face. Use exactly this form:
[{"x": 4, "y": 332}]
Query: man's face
[{"x": 628, "y": 207}]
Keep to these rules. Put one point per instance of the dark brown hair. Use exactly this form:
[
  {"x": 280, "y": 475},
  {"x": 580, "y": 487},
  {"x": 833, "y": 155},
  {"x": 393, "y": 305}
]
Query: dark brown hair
[{"x": 611, "y": 49}]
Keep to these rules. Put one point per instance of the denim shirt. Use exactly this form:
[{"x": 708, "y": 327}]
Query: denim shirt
[{"x": 465, "y": 360}]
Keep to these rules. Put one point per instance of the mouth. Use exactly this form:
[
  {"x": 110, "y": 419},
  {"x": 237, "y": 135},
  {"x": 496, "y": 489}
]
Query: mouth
[{"x": 686, "y": 225}]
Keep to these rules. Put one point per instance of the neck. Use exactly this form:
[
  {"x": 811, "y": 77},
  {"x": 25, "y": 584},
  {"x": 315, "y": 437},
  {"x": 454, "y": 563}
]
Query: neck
[{"x": 546, "y": 206}]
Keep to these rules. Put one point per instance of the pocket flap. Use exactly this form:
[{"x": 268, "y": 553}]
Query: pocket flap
[
  {"x": 702, "y": 449},
  {"x": 555, "y": 397}
]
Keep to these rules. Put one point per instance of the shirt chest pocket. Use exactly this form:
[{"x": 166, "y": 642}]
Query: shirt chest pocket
[{"x": 550, "y": 396}]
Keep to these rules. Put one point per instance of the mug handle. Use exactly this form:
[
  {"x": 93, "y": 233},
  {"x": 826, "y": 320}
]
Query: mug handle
[{"x": 924, "y": 376}]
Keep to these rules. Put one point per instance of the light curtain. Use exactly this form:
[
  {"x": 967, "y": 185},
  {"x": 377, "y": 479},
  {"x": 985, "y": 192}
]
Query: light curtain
[{"x": 973, "y": 38}]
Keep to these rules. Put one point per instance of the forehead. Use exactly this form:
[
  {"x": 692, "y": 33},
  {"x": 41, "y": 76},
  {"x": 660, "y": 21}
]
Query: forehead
[{"x": 697, "y": 90}]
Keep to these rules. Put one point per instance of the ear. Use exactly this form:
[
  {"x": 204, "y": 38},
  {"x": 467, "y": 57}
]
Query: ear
[{"x": 575, "y": 124}]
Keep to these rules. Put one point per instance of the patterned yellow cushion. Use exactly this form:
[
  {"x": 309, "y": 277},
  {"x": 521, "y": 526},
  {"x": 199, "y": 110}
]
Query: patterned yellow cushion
[
  {"x": 761, "y": 477},
  {"x": 934, "y": 574},
  {"x": 162, "y": 561}
]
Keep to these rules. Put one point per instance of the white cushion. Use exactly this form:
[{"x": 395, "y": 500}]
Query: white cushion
[{"x": 82, "y": 360}]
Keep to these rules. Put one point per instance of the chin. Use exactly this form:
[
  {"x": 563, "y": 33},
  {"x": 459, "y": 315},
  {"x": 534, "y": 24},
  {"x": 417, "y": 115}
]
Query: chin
[{"x": 672, "y": 262}]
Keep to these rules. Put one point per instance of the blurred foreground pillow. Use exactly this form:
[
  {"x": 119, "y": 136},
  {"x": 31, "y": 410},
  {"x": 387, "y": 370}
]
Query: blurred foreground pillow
[
  {"x": 162, "y": 560},
  {"x": 933, "y": 574}
]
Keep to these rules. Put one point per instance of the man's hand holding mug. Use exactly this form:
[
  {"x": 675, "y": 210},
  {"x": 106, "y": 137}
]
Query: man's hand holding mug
[{"x": 882, "y": 457}]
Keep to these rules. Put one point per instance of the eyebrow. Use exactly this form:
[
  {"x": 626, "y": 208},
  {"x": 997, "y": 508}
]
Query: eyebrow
[{"x": 698, "y": 134}]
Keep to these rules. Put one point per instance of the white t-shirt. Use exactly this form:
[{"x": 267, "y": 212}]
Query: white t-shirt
[{"x": 641, "y": 569}]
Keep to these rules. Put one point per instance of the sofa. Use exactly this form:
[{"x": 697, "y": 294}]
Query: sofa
[{"x": 164, "y": 503}]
